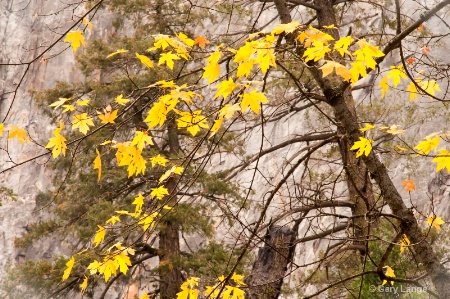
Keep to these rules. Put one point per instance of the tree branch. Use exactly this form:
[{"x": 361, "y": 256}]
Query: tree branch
[
  {"x": 325, "y": 233},
  {"x": 393, "y": 43}
]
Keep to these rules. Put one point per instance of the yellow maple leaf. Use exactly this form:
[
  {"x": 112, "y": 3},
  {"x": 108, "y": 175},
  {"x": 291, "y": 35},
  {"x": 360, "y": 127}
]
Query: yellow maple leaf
[
  {"x": 412, "y": 91},
  {"x": 367, "y": 52},
  {"x": 168, "y": 173},
  {"x": 145, "y": 60},
  {"x": 98, "y": 164},
  {"x": 99, "y": 235},
  {"x": 83, "y": 102},
  {"x": 426, "y": 146},
  {"x": 69, "y": 266},
  {"x": 159, "y": 192},
  {"x": 157, "y": 114},
  {"x": 162, "y": 41},
  {"x": 123, "y": 262},
  {"x": 316, "y": 52},
  {"x": 192, "y": 121},
  {"x": 225, "y": 88},
  {"x": 185, "y": 294},
  {"x": 93, "y": 267},
  {"x": 358, "y": 69},
  {"x": 58, "y": 143},
  {"x": 84, "y": 285},
  {"x": 212, "y": 291},
  {"x": 287, "y": 28},
  {"x": 68, "y": 108},
  {"x": 340, "y": 70},
  {"x": 121, "y": 100},
  {"x": 404, "y": 243},
  {"x": 342, "y": 45},
  {"x": 144, "y": 296},
  {"x": 82, "y": 122},
  {"x": 148, "y": 220},
  {"x": 245, "y": 52},
  {"x": 113, "y": 220},
  {"x": 188, "y": 289},
  {"x": 430, "y": 86},
  {"x": 409, "y": 185},
  {"x": 238, "y": 279},
  {"x": 245, "y": 68},
  {"x": 266, "y": 59},
  {"x": 233, "y": 293},
  {"x": 435, "y": 221},
  {"x": 442, "y": 160},
  {"x": 185, "y": 39},
  {"x": 394, "y": 130},
  {"x": 139, "y": 202},
  {"x": 217, "y": 125},
  {"x": 59, "y": 103},
  {"x": 86, "y": 22},
  {"x": 364, "y": 146},
  {"x": 2, "y": 127},
  {"x": 253, "y": 99},
  {"x": 229, "y": 110},
  {"x": 108, "y": 268},
  {"x": 367, "y": 127},
  {"x": 141, "y": 139},
  {"x": 389, "y": 273},
  {"x": 108, "y": 117},
  {"x": 396, "y": 74},
  {"x": 131, "y": 156},
  {"x": 168, "y": 59},
  {"x": 185, "y": 96},
  {"x": 315, "y": 37},
  {"x": 18, "y": 133},
  {"x": 212, "y": 69},
  {"x": 384, "y": 86},
  {"x": 75, "y": 38},
  {"x": 158, "y": 160},
  {"x": 117, "y": 52},
  {"x": 178, "y": 170}
]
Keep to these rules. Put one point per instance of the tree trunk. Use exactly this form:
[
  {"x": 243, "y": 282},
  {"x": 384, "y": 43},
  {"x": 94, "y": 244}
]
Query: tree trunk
[
  {"x": 169, "y": 235},
  {"x": 358, "y": 182},
  {"x": 270, "y": 267},
  {"x": 169, "y": 247},
  {"x": 359, "y": 188}
]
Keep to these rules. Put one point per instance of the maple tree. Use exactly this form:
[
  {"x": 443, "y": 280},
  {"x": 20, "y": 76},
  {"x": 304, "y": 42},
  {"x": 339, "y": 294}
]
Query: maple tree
[{"x": 141, "y": 141}]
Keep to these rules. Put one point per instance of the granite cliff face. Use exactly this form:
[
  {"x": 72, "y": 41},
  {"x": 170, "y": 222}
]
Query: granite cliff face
[{"x": 26, "y": 29}]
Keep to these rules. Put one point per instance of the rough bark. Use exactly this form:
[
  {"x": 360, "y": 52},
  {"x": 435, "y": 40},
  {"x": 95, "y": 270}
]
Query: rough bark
[
  {"x": 169, "y": 236},
  {"x": 270, "y": 267},
  {"x": 358, "y": 182}
]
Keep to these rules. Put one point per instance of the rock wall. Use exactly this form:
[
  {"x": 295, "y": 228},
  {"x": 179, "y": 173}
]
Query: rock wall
[{"x": 26, "y": 29}]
